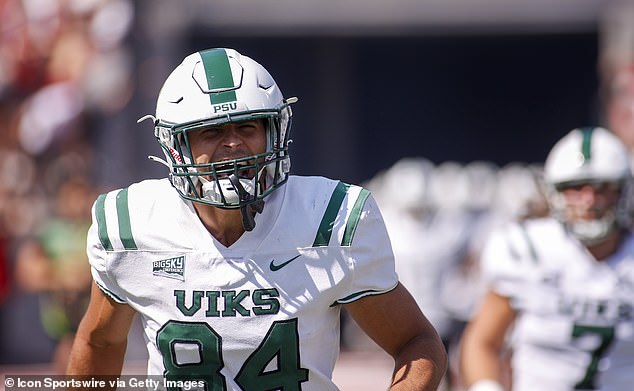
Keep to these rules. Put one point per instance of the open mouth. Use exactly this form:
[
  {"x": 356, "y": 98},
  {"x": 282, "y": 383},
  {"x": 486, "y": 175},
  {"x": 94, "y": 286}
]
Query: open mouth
[{"x": 243, "y": 169}]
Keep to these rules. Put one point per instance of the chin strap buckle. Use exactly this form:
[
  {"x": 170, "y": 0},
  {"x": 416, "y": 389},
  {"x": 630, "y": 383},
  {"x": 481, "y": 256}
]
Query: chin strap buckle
[{"x": 248, "y": 211}]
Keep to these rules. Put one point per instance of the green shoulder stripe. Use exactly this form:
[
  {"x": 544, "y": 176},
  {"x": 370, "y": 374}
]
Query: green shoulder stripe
[
  {"x": 123, "y": 216},
  {"x": 529, "y": 242},
  {"x": 328, "y": 221},
  {"x": 100, "y": 214},
  {"x": 354, "y": 218}
]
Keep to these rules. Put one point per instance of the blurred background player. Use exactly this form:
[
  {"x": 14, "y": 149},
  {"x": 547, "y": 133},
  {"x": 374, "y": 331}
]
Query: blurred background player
[
  {"x": 560, "y": 297},
  {"x": 439, "y": 216}
]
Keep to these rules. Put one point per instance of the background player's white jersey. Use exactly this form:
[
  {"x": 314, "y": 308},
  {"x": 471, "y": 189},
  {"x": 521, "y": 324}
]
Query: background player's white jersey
[
  {"x": 262, "y": 314},
  {"x": 575, "y": 324}
]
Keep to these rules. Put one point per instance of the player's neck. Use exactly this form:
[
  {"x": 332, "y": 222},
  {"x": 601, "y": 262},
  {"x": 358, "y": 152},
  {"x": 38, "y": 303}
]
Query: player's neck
[
  {"x": 225, "y": 225},
  {"x": 607, "y": 247}
]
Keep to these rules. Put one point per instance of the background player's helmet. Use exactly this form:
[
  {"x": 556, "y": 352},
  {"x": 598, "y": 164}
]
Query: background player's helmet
[
  {"x": 589, "y": 156},
  {"x": 214, "y": 87}
]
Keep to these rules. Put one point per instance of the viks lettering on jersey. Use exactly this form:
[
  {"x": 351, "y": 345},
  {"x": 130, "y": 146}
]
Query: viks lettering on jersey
[
  {"x": 596, "y": 310},
  {"x": 228, "y": 303}
]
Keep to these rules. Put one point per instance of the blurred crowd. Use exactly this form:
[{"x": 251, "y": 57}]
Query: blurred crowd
[
  {"x": 439, "y": 216},
  {"x": 63, "y": 66}
]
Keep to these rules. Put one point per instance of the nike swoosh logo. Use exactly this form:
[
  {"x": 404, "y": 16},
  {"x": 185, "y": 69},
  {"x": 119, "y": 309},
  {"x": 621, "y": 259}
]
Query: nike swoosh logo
[{"x": 275, "y": 267}]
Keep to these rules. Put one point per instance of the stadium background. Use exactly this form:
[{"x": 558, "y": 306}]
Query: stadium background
[{"x": 500, "y": 89}]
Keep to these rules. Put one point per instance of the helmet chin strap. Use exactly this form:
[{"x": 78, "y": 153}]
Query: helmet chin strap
[
  {"x": 212, "y": 190},
  {"x": 248, "y": 211},
  {"x": 593, "y": 232}
]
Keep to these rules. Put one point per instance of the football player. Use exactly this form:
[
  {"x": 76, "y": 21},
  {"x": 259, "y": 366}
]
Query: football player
[
  {"x": 237, "y": 269},
  {"x": 561, "y": 293}
]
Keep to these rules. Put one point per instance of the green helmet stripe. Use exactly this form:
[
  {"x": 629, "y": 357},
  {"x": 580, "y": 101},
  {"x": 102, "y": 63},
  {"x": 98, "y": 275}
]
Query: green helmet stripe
[
  {"x": 328, "y": 221},
  {"x": 100, "y": 215},
  {"x": 218, "y": 72},
  {"x": 123, "y": 216},
  {"x": 355, "y": 216},
  {"x": 586, "y": 143}
]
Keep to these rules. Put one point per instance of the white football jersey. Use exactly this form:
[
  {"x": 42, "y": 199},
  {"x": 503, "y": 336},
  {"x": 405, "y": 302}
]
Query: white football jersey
[
  {"x": 262, "y": 314},
  {"x": 575, "y": 323}
]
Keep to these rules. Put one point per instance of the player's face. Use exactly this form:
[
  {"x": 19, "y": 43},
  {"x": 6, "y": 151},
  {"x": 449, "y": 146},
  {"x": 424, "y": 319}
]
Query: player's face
[
  {"x": 228, "y": 141},
  {"x": 590, "y": 201}
]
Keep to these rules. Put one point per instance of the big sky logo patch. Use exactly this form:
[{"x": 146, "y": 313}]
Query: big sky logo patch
[{"x": 171, "y": 268}]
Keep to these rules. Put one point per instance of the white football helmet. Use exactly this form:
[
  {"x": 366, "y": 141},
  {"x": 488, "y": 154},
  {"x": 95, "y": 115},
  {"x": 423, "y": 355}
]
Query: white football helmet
[
  {"x": 214, "y": 87},
  {"x": 589, "y": 156}
]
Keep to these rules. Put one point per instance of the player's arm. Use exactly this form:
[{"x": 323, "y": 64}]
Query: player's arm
[
  {"x": 101, "y": 339},
  {"x": 483, "y": 344},
  {"x": 395, "y": 322}
]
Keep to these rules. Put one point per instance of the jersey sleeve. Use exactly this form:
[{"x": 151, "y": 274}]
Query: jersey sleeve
[
  {"x": 505, "y": 258},
  {"x": 372, "y": 258},
  {"x": 98, "y": 255}
]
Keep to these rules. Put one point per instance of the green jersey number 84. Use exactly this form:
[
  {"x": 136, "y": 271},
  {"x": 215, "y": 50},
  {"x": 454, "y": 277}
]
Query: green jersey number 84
[{"x": 281, "y": 343}]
